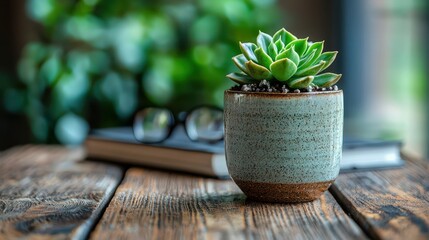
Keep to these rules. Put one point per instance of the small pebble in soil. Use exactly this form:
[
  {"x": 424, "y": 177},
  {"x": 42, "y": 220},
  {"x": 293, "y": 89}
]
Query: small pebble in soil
[
  {"x": 335, "y": 88},
  {"x": 296, "y": 91},
  {"x": 246, "y": 88},
  {"x": 264, "y": 83}
]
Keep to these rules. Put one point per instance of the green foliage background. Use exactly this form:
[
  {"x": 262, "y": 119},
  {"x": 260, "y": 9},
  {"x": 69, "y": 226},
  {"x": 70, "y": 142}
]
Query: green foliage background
[{"x": 97, "y": 62}]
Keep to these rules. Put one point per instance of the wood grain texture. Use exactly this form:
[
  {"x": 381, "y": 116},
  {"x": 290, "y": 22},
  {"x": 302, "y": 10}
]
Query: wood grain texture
[
  {"x": 45, "y": 193},
  {"x": 389, "y": 204},
  {"x": 159, "y": 205}
]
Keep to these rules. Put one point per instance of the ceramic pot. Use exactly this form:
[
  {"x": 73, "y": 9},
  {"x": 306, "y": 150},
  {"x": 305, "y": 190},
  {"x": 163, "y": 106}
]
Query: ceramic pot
[{"x": 283, "y": 147}]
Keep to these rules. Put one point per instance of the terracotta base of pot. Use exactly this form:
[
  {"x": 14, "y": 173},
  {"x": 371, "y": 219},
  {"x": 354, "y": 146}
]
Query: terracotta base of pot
[{"x": 283, "y": 193}]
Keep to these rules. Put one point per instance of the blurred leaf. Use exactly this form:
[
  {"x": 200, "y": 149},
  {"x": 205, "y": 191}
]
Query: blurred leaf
[
  {"x": 126, "y": 101},
  {"x": 110, "y": 86},
  {"x": 36, "y": 51},
  {"x": 50, "y": 69},
  {"x": 157, "y": 86},
  {"x": 203, "y": 55},
  {"x": 130, "y": 43},
  {"x": 70, "y": 89},
  {"x": 71, "y": 129},
  {"x": 86, "y": 28},
  {"x": 99, "y": 61},
  {"x": 205, "y": 30},
  {"x": 182, "y": 70},
  {"x": 183, "y": 13},
  {"x": 27, "y": 70},
  {"x": 42, "y": 10},
  {"x": 160, "y": 29}
]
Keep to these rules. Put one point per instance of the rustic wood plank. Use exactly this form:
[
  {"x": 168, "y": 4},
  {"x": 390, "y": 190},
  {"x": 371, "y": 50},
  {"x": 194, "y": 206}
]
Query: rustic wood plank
[
  {"x": 45, "y": 193},
  {"x": 159, "y": 205},
  {"x": 389, "y": 204}
]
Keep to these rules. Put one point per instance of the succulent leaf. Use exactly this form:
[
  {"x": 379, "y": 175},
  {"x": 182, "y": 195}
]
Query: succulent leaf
[
  {"x": 240, "y": 61},
  {"x": 318, "y": 46},
  {"x": 301, "y": 82},
  {"x": 240, "y": 78},
  {"x": 248, "y": 50},
  {"x": 307, "y": 61},
  {"x": 285, "y": 36},
  {"x": 279, "y": 44},
  {"x": 264, "y": 40},
  {"x": 326, "y": 79},
  {"x": 272, "y": 50},
  {"x": 291, "y": 54},
  {"x": 263, "y": 58},
  {"x": 328, "y": 57},
  {"x": 300, "y": 45},
  {"x": 313, "y": 70},
  {"x": 257, "y": 71},
  {"x": 283, "y": 69}
]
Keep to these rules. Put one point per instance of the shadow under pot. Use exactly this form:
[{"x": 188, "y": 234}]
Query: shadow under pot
[{"x": 283, "y": 147}]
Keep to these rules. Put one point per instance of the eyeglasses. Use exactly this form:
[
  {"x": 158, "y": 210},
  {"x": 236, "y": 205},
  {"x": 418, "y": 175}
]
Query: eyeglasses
[{"x": 154, "y": 125}]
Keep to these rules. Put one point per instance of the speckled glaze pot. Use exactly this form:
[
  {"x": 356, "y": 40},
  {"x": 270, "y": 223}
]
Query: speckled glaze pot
[{"x": 283, "y": 147}]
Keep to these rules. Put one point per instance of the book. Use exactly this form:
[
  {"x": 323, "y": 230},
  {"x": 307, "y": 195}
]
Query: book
[
  {"x": 370, "y": 154},
  {"x": 179, "y": 153}
]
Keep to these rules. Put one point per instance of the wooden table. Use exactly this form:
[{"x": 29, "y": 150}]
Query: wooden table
[{"x": 49, "y": 192}]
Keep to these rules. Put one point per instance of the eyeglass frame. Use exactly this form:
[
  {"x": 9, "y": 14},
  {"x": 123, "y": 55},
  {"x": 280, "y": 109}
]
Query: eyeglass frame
[{"x": 180, "y": 119}]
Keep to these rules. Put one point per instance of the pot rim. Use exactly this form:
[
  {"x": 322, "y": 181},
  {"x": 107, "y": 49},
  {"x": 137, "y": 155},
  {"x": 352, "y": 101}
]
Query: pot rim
[{"x": 289, "y": 94}]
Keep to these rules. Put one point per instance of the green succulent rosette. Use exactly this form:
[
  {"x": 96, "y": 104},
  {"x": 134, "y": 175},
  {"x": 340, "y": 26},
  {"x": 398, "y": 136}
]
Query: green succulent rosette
[{"x": 284, "y": 58}]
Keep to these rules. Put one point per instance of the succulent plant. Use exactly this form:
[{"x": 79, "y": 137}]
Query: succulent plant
[{"x": 284, "y": 58}]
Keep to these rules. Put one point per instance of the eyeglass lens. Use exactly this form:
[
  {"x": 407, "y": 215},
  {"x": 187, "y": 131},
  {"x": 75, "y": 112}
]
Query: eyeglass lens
[
  {"x": 205, "y": 124},
  {"x": 153, "y": 124}
]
